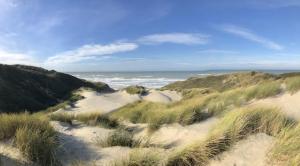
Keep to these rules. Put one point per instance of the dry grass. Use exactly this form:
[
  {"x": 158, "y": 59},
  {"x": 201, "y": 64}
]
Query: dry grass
[
  {"x": 293, "y": 84},
  {"x": 34, "y": 136},
  {"x": 286, "y": 150},
  {"x": 141, "y": 157},
  {"x": 92, "y": 119},
  {"x": 236, "y": 125}
]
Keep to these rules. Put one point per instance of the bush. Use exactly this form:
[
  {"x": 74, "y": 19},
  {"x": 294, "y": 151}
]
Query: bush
[
  {"x": 136, "y": 90},
  {"x": 235, "y": 126}
]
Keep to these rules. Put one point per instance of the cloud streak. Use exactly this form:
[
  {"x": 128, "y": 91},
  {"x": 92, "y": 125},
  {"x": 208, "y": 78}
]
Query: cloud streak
[
  {"x": 249, "y": 35},
  {"x": 90, "y": 52},
  {"x": 175, "y": 38},
  {"x": 16, "y": 58}
]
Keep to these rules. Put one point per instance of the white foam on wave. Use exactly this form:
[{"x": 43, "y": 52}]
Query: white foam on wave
[{"x": 121, "y": 82}]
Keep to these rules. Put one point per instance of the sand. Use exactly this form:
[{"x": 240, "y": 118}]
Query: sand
[
  {"x": 249, "y": 152},
  {"x": 175, "y": 135},
  {"x": 11, "y": 156},
  {"x": 79, "y": 144},
  {"x": 107, "y": 102},
  {"x": 162, "y": 96},
  {"x": 288, "y": 103}
]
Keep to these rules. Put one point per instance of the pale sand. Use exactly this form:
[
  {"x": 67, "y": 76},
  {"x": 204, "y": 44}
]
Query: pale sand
[
  {"x": 249, "y": 152},
  {"x": 175, "y": 135},
  {"x": 162, "y": 96},
  {"x": 288, "y": 103},
  {"x": 11, "y": 156},
  {"x": 107, "y": 102},
  {"x": 79, "y": 144}
]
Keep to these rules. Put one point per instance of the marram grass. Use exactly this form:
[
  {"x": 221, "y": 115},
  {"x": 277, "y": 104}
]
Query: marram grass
[
  {"x": 293, "y": 84},
  {"x": 286, "y": 150},
  {"x": 33, "y": 136},
  {"x": 236, "y": 125}
]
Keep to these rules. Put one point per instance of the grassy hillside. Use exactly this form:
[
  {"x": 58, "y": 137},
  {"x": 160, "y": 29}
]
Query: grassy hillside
[
  {"x": 223, "y": 82},
  {"x": 32, "y": 88}
]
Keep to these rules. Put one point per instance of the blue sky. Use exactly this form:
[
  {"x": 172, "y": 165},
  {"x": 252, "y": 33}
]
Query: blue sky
[{"x": 126, "y": 35}]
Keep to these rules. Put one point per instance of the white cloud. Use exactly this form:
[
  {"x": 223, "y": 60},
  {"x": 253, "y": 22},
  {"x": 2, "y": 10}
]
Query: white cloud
[
  {"x": 90, "y": 52},
  {"x": 16, "y": 58},
  {"x": 176, "y": 38},
  {"x": 247, "y": 34},
  {"x": 217, "y": 51}
]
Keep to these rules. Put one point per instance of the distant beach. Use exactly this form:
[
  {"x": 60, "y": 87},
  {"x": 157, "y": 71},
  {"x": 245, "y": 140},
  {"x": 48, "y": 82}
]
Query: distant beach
[{"x": 151, "y": 79}]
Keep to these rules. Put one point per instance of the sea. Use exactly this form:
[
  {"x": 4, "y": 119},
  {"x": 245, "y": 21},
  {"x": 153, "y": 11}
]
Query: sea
[{"x": 153, "y": 79}]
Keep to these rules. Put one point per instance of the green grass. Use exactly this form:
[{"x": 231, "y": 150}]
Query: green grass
[
  {"x": 222, "y": 82},
  {"x": 120, "y": 137},
  {"x": 286, "y": 150},
  {"x": 34, "y": 136},
  {"x": 293, "y": 84},
  {"x": 92, "y": 119},
  {"x": 194, "y": 108},
  {"x": 136, "y": 90},
  {"x": 184, "y": 112},
  {"x": 236, "y": 125},
  {"x": 141, "y": 157},
  {"x": 263, "y": 90}
]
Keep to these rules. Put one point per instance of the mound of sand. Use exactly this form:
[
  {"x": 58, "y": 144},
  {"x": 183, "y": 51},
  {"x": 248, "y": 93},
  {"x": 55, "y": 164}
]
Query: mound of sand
[
  {"x": 107, "y": 102},
  {"x": 175, "y": 135},
  {"x": 162, "y": 96},
  {"x": 288, "y": 103},
  {"x": 249, "y": 152}
]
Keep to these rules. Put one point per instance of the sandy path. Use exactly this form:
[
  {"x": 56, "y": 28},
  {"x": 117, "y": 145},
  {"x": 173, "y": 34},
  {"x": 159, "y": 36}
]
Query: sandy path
[
  {"x": 79, "y": 144},
  {"x": 175, "y": 135},
  {"x": 249, "y": 152},
  {"x": 288, "y": 103},
  {"x": 107, "y": 102}
]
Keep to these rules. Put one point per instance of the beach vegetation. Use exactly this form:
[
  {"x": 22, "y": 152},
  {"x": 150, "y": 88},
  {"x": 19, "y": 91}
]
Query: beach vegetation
[{"x": 140, "y": 90}]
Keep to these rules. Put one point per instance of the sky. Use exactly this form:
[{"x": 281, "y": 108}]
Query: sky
[{"x": 143, "y": 35}]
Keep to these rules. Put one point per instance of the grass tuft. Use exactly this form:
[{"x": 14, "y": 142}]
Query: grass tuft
[
  {"x": 92, "y": 119},
  {"x": 236, "y": 125},
  {"x": 35, "y": 137},
  {"x": 293, "y": 84},
  {"x": 141, "y": 157},
  {"x": 286, "y": 150}
]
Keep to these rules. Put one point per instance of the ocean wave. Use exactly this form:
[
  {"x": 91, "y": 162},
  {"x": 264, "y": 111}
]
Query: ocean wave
[{"x": 121, "y": 82}]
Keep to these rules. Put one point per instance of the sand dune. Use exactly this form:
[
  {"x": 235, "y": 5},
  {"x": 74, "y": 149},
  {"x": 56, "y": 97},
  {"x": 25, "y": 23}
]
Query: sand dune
[
  {"x": 288, "y": 103},
  {"x": 107, "y": 102},
  {"x": 79, "y": 144},
  {"x": 249, "y": 152},
  {"x": 175, "y": 135}
]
